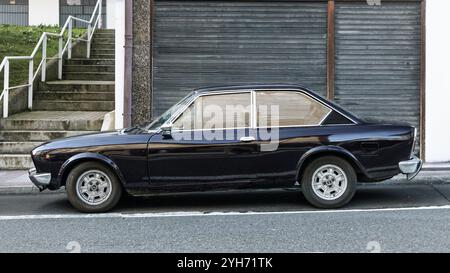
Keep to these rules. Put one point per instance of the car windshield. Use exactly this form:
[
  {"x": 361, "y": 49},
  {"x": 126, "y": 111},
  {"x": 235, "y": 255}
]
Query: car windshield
[{"x": 156, "y": 124}]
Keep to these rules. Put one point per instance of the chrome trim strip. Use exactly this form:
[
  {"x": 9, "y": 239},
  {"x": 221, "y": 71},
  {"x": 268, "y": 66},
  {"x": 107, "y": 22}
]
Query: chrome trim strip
[{"x": 254, "y": 112}]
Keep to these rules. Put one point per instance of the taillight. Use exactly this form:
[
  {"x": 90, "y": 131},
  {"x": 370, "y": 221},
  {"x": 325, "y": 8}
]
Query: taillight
[{"x": 414, "y": 142}]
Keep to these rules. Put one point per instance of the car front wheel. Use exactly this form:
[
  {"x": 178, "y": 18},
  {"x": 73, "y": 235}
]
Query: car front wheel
[
  {"x": 329, "y": 182},
  {"x": 93, "y": 187}
]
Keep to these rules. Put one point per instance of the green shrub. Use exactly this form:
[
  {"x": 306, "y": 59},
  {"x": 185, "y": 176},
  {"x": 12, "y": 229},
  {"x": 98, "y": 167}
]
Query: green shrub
[{"x": 21, "y": 41}]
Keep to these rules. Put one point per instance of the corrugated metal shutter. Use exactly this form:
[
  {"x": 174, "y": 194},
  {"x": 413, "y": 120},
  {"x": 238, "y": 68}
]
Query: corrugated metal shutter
[
  {"x": 14, "y": 14},
  {"x": 204, "y": 43},
  {"x": 378, "y": 60},
  {"x": 83, "y": 11}
]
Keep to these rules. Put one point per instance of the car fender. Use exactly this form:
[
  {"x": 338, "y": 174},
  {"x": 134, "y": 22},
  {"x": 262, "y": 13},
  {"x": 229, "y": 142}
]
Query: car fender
[
  {"x": 69, "y": 163},
  {"x": 336, "y": 150}
]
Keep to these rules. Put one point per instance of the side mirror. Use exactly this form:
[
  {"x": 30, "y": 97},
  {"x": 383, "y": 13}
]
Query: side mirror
[{"x": 166, "y": 129}]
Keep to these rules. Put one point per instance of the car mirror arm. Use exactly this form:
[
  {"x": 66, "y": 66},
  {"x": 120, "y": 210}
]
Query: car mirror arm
[{"x": 166, "y": 129}]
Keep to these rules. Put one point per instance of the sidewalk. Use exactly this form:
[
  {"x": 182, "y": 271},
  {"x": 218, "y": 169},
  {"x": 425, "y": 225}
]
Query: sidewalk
[{"x": 17, "y": 182}]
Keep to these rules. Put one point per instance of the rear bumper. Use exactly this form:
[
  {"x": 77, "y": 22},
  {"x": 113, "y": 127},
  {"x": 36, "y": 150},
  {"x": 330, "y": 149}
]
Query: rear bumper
[
  {"x": 41, "y": 180},
  {"x": 410, "y": 167}
]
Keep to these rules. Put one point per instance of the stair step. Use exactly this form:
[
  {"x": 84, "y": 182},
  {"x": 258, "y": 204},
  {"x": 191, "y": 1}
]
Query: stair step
[
  {"x": 54, "y": 120},
  {"x": 14, "y": 147},
  {"x": 90, "y": 61},
  {"x": 105, "y": 30},
  {"x": 78, "y": 86},
  {"x": 15, "y": 162},
  {"x": 105, "y": 76},
  {"x": 104, "y": 36},
  {"x": 34, "y": 135},
  {"x": 104, "y": 43},
  {"x": 89, "y": 68},
  {"x": 103, "y": 56},
  {"x": 73, "y": 96},
  {"x": 39, "y": 124},
  {"x": 100, "y": 47},
  {"x": 98, "y": 51},
  {"x": 56, "y": 105},
  {"x": 104, "y": 33}
]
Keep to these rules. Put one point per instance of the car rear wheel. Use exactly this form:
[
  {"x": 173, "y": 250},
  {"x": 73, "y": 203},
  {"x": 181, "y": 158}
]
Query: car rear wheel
[
  {"x": 329, "y": 182},
  {"x": 93, "y": 187}
]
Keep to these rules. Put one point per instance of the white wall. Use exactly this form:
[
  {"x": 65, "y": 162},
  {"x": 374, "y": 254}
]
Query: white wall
[
  {"x": 45, "y": 12},
  {"x": 110, "y": 14},
  {"x": 119, "y": 22},
  {"x": 437, "y": 115}
]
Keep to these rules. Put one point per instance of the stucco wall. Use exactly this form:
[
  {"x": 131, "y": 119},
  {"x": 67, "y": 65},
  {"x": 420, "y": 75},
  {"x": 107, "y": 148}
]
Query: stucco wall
[{"x": 142, "y": 57}]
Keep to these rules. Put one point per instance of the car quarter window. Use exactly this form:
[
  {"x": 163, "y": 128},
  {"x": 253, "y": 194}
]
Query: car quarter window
[
  {"x": 216, "y": 111},
  {"x": 288, "y": 108}
]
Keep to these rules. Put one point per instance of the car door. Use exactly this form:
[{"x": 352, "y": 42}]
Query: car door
[
  {"x": 292, "y": 121},
  {"x": 210, "y": 144}
]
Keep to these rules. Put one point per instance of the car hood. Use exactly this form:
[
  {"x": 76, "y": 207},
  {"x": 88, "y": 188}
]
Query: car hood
[{"x": 96, "y": 139}]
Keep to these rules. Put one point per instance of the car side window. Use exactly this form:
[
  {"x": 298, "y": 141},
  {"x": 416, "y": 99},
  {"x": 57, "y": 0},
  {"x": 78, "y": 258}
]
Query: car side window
[
  {"x": 288, "y": 108},
  {"x": 217, "y": 111}
]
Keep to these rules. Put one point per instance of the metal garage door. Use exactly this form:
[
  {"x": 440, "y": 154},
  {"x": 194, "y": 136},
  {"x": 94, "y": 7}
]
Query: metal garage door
[
  {"x": 204, "y": 43},
  {"x": 79, "y": 8},
  {"x": 378, "y": 60},
  {"x": 14, "y": 12}
]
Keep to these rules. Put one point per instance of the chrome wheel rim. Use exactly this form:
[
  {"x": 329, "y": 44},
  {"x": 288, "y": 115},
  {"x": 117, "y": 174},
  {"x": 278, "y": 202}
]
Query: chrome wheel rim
[
  {"x": 94, "y": 187},
  {"x": 329, "y": 182}
]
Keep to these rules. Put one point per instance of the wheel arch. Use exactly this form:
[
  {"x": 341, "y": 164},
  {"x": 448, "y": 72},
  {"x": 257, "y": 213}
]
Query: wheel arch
[
  {"x": 337, "y": 151},
  {"x": 75, "y": 160}
]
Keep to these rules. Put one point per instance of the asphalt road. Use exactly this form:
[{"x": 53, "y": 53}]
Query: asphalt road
[{"x": 381, "y": 218}]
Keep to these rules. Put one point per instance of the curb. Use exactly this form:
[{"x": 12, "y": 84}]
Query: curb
[
  {"x": 31, "y": 190},
  {"x": 425, "y": 179}
]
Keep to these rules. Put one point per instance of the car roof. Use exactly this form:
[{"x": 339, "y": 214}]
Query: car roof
[
  {"x": 250, "y": 86},
  {"x": 275, "y": 87}
]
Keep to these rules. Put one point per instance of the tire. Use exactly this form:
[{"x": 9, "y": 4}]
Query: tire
[
  {"x": 329, "y": 182},
  {"x": 92, "y": 187}
]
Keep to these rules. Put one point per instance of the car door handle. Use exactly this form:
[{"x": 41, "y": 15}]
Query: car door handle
[{"x": 247, "y": 139}]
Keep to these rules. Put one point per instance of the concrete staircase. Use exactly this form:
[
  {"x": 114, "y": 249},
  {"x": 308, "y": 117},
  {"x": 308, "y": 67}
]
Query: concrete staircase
[{"x": 73, "y": 106}]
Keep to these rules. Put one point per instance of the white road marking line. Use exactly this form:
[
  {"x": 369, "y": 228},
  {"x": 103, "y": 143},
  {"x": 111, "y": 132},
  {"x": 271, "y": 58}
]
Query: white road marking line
[{"x": 199, "y": 213}]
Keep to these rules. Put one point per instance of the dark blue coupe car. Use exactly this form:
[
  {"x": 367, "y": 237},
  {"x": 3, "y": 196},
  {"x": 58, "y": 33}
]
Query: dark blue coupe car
[{"x": 234, "y": 137}]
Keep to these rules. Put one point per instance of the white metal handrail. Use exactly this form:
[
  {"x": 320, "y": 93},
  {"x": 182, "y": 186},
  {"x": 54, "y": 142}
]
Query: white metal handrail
[{"x": 94, "y": 23}]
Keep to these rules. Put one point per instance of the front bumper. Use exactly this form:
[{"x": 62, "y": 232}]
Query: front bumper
[
  {"x": 41, "y": 180},
  {"x": 411, "y": 167}
]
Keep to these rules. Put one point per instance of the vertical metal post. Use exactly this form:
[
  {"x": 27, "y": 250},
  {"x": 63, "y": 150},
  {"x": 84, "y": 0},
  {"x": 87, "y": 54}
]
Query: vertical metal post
[
  {"x": 44, "y": 58},
  {"x": 30, "y": 82},
  {"x": 88, "y": 44},
  {"x": 6, "y": 89},
  {"x": 331, "y": 48},
  {"x": 60, "y": 57},
  {"x": 69, "y": 52},
  {"x": 100, "y": 19}
]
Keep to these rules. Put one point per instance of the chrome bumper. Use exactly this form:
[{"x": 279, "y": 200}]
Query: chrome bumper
[
  {"x": 41, "y": 180},
  {"x": 411, "y": 167}
]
